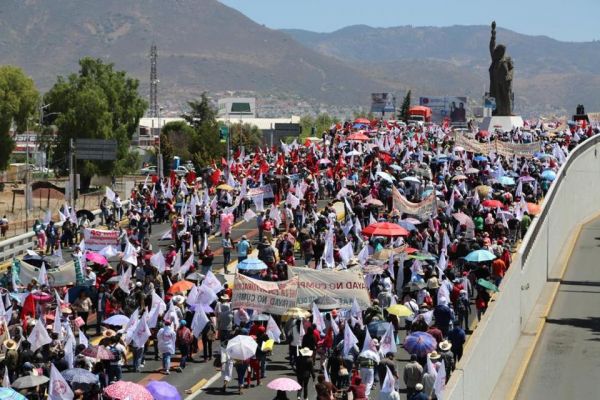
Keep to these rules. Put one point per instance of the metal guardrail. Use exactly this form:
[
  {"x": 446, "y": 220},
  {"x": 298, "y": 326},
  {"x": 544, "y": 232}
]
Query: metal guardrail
[{"x": 18, "y": 245}]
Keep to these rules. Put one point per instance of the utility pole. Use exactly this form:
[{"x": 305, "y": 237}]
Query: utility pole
[
  {"x": 71, "y": 173},
  {"x": 27, "y": 188},
  {"x": 159, "y": 158}
]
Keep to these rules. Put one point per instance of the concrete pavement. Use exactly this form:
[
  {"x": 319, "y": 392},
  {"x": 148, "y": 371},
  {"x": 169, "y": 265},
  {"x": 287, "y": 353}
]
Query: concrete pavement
[{"x": 566, "y": 361}]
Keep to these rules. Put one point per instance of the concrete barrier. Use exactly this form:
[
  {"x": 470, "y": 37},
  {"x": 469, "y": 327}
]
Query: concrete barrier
[{"x": 573, "y": 198}]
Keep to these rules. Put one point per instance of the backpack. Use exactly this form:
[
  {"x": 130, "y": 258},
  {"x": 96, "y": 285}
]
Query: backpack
[{"x": 116, "y": 354}]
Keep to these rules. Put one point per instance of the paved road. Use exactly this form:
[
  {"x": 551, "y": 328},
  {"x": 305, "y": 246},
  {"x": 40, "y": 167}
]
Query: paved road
[{"x": 566, "y": 361}]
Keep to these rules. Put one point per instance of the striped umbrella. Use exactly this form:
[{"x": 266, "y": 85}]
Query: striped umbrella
[{"x": 10, "y": 394}]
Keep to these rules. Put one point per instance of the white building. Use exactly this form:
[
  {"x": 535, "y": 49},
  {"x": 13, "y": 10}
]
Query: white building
[{"x": 237, "y": 107}]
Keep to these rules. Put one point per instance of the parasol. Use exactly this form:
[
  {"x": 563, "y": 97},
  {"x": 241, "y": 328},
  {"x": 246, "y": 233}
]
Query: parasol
[
  {"x": 98, "y": 352},
  {"x": 361, "y": 137},
  {"x": 492, "y": 204},
  {"x": 295, "y": 312},
  {"x": 420, "y": 343},
  {"x": 284, "y": 384},
  {"x": 252, "y": 264},
  {"x": 549, "y": 175},
  {"x": 225, "y": 187},
  {"x": 124, "y": 390},
  {"x": 181, "y": 286},
  {"x": 87, "y": 213},
  {"x": 29, "y": 381},
  {"x": 96, "y": 258},
  {"x": 480, "y": 256},
  {"x": 10, "y": 394},
  {"x": 117, "y": 320},
  {"x": 387, "y": 229},
  {"x": 161, "y": 390},
  {"x": 487, "y": 284},
  {"x": 399, "y": 310},
  {"x": 327, "y": 303},
  {"x": 378, "y": 328},
  {"x": 260, "y": 317},
  {"x": 241, "y": 347}
]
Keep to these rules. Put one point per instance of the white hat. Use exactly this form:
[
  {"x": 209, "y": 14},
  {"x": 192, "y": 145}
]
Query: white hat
[
  {"x": 418, "y": 387},
  {"x": 445, "y": 345},
  {"x": 306, "y": 352}
]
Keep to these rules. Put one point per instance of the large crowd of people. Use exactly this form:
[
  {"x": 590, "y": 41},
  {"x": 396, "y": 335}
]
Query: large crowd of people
[{"x": 429, "y": 220}]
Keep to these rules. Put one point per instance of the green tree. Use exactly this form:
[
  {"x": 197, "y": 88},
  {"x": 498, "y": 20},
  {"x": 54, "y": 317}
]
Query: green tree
[
  {"x": 18, "y": 100},
  {"x": 206, "y": 144},
  {"x": 176, "y": 138},
  {"x": 97, "y": 103},
  {"x": 307, "y": 122},
  {"x": 404, "y": 109},
  {"x": 246, "y": 135},
  {"x": 323, "y": 123}
]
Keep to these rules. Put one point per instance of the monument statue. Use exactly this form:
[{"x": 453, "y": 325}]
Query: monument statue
[{"x": 501, "y": 76}]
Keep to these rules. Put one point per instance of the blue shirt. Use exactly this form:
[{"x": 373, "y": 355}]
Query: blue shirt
[{"x": 242, "y": 248}]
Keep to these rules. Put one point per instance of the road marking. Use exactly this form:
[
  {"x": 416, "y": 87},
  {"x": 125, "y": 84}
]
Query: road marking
[{"x": 207, "y": 383}]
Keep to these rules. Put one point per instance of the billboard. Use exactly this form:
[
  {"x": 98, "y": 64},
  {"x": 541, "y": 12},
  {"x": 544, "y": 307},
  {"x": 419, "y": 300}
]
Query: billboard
[
  {"x": 443, "y": 107},
  {"x": 382, "y": 103}
]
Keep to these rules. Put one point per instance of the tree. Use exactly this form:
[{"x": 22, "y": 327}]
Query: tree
[
  {"x": 206, "y": 145},
  {"x": 18, "y": 100},
  {"x": 404, "y": 110},
  {"x": 246, "y": 135},
  {"x": 175, "y": 140},
  {"x": 307, "y": 123},
  {"x": 97, "y": 103}
]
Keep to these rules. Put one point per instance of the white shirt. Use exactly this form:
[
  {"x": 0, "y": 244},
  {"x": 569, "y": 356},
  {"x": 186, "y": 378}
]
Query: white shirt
[{"x": 166, "y": 339}]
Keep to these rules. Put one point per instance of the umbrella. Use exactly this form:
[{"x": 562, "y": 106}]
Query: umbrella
[
  {"x": 285, "y": 384},
  {"x": 162, "y": 390},
  {"x": 385, "y": 254},
  {"x": 487, "y": 284},
  {"x": 483, "y": 190},
  {"x": 407, "y": 225},
  {"x": 374, "y": 269},
  {"x": 480, "y": 256},
  {"x": 480, "y": 158},
  {"x": 241, "y": 347},
  {"x": 421, "y": 257},
  {"x": 378, "y": 328},
  {"x": 527, "y": 178},
  {"x": 399, "y": 310},
  {"x": 181, "y": 286},
  {"x": 225, "y": 187},
  {"x": 88, "y": 214},
  {"x": 324, "y": 161},
  {"x": 358, "y": 136},
  {"x": 121, "y": 390},
  {"x": 387, "y": 229},
  {"x": 353, "y": 153},
  {"x": 10, "y": 394},
  {"x": 411, "y": 179},
  {"x": 80, "y": 378},
  {"x": 533, "y": 209},
  {"x": 117, "y": 320},
  {"x": 96, "y": 258},
  {"x": 386, "y": 176},
  {"x": 327, "y": 303},
  {"x": 252, "y": 264},
  {"x": 506, "y": 181},
  {"x": 459, "y": 177},
  {"x": 362, "y": 121},
  {"x": 411, "y": 220},
  {"x": 375, "y": 202},
  {"x": 260, "y": 317},
  {"x": 114, "y": 279},
  {"x": 492, "y": 204},
  {"x": 463, "y": 218},
  {"x": 29, "y": 381},
  {"x": 416, "y": 286},
  {"x": 396, "y": 167},
  {"x": 420, "y": 343},
  {"x": 459, "y": 148},
  {"x": 98, "y": 352},
  {"x": 295, "y": 312},
  {"x": 472, "y": 171},
  {"x": 42, "y": 297},
  {"x": 549, "y": 175}
]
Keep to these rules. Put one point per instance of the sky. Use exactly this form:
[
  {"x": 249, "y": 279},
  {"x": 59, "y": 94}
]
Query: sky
[{"x": 574, "y": 20}]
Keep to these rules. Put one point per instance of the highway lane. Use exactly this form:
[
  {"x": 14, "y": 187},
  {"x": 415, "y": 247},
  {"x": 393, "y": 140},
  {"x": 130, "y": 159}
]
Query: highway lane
[{"x": 566, "y": 361}]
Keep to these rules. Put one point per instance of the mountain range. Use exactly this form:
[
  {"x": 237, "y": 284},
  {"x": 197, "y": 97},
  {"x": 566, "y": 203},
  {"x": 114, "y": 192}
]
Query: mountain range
[{"x": 204, "y": 45}]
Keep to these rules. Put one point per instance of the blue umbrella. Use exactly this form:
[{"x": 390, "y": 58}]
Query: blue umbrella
[
  {"x": 480, "y": 256},
  {"x": 407, "y": 225},
  {"x": 161, "y": 390},
  {"x": 10, "y": 394},
  {"x": 378, "y": 328},
  {"x": 420, "y": 343},
  {"x": 549, "y": 175},
  {"x": 252, "y": 264},
  {"x": 506, "y": 181},
  {"x": 480, "y": 158}
]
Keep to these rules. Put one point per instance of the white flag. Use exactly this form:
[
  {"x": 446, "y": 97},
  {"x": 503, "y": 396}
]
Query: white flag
[
  {"x": 108, "y": 251},
  {"x": 206, "y": 295},
  {"x": 356, "y": 312},
  {"x": 363, "y": 255},
  {"x": 59, "y": 389},
  {"x": 57, "y": 326},
  {"x": 273, "y": 330},
  {"x": 186, "y": 266},
  {"x": 6, "y": 380},
  {"x": 346, "y": 253},
  {"x": 389, "y": 382},
  {"x": 440, "y": 382},
  {"x": 73, "y": 216},
  {"x": 318, "y": 318},
  {"x": 158, "y": 261},
  {"x": 83, "y": 339},
  {"x": 130, "y": 254},
  {"x": 192, "y": 297},
  {"x": 69, "y": 348},
  {"x": 141, "y": 333},
  {"x": 387, "y": 343},
  {"x": 48, "y": 217},
  {"x": 110, "y": 195},
  {"x": 38, "y": 336},
  {"x": 62, "y": 216},
  {"x": 199, "y": 321},
  {"x": 166, "y": 236},
  {"x": 249, "y": 214},
  {"x": 349, "y": 340},
  {"x": 367, "y": 341},
  {"x": 259, "y": 202},
  {"x": 212, "y": 282},
  {"x": 43, "y": 275},
  {"x": 125, "y": 279},
  {"x": 130, "y": 327}
]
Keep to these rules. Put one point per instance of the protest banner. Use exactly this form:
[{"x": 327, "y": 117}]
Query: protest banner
[
  {"x": 96, "y": 239},
  {"x": 61, "y": 276},
  {"x": 274, "y": 297},
  {"x": 265, "y": 190},
  {"x": 344, "y": 286},
  {"x": 471, "y": 145},
  {"x": 526, "y": 150},
  {"x": 421, "y": 210}
]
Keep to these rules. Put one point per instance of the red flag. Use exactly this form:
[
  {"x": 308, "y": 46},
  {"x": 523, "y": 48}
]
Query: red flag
[
  {"x": 385, "y": 157},
  {"x": 215, "y": 177},
  {"x": 264, "y": 167},
  {"x": 223, "y": 161},
  {"x": 28, "y": 309}
]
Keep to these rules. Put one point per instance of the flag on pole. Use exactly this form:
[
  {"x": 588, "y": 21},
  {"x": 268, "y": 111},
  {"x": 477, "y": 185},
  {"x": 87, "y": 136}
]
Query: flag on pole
[
  {"x": 6, "y": 380},
  {"x": 125, "y": 279},
  {"x": 110, "y": 195},
  {"x": 38, "y": 336},
  {"x": 273, "y": 330},
  {"x": 440, "y": 382},
  {"x": 58, "y": 389},
  {"x": 158, "y": 260},
  {"x": 199, "y": 321},
  {"x": 318, "y": 318},
  {"x": 349, "y": 340},
  {"x": 43, "y": 275}
]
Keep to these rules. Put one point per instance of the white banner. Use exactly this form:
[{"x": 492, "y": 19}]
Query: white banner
[
  {"x": 265, "y": 190},
  {"x": 273, "y": 297},
  {"x": 96, "y": 239},
  {"x": 61, "y": 276},
  {"x": 345, "y": 286}
]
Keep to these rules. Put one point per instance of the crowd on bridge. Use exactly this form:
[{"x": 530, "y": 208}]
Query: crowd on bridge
[{"x": 428, "y": 218}]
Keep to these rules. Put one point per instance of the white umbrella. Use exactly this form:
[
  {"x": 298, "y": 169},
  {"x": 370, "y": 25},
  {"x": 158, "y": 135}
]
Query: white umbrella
[
  {"x": 241, "y": 347},
  {"x": 411, "y": 179},
  {"x": 386, "y": 176},
  {"x": 353, "y": 153},
  {"x": 116, "y": 320}
]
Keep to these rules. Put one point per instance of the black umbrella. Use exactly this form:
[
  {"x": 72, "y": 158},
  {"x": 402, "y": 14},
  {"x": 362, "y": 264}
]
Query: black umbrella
[
  {"x": 80, "y": 378},
  {"x": 88, "y": 214}
]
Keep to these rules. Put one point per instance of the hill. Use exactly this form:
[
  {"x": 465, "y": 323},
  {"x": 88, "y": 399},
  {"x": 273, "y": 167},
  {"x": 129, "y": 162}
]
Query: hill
[
  {"x": 202, "y": 44},
  {"x": 550, "y": 75}
]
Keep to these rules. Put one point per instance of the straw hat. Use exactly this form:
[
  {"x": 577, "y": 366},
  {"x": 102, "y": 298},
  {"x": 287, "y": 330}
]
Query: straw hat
[
  {"x": 306, "y": 352},
  {"x": 10, "y": 344},
  {"x": 434, "y": 355},
  {"x": 109, "y": 333},
  {"x": 445, "y": 345}
]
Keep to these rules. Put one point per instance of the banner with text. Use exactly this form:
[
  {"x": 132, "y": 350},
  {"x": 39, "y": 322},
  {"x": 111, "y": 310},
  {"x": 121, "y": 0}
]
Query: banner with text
[
  {"x": 273, "y": 297},
  {"x": 265, "y": 190},
  {"x": 526, "y": 150},
  {"x": 96, "y": 239},
  {"x": 422, "y": 210},
  {"x": 344, "y": 286}
]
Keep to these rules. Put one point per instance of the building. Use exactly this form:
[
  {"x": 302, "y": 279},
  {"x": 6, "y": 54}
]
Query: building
[{"x": 237, "y": 107}]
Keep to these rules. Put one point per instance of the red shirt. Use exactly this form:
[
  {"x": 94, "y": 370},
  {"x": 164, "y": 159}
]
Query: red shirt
[{"x": 359, "y": 391}]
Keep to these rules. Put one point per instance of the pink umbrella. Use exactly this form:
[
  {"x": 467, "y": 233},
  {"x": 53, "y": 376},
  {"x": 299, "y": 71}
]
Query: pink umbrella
[
  {"x": 122, "y": 390},
  {"x": 285, "y": 384},
  {"x": 96, "y": 258},
  {"x": 324, "y": 161}
]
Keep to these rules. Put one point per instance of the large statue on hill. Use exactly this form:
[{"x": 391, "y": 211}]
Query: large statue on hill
[{"x": 501, "y": 76}]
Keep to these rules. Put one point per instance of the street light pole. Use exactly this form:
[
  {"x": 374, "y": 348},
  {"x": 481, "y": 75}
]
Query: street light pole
[{"x": 159, "y": 158}]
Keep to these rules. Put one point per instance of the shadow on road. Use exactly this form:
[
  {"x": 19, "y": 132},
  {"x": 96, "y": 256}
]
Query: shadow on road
[{"x": 591, "y": 323}]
